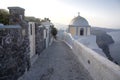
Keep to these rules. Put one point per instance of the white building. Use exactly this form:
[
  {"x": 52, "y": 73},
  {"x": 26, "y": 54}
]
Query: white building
[
  {"x": 80, "y": 29},
  {"x": 47, "y": 32},
  {"x": 79, "y": 26}
]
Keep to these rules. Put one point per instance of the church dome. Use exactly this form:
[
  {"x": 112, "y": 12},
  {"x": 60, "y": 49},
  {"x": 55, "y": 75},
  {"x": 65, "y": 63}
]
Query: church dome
[{"x": 79, "y": 22}]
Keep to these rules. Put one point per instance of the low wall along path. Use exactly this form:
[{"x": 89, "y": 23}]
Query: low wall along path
[{"x": 100, "y": 68}]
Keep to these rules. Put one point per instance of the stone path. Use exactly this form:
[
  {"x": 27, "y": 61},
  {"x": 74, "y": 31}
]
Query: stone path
[{"x": 57, "y": 63}]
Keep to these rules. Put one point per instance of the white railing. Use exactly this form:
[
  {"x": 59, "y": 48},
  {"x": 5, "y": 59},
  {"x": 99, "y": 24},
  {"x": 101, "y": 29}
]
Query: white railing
[{"x": 99, "y": 67}]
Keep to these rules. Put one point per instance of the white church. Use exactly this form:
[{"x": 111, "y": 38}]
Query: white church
[
  {"x": 79, "y": 26},
  {"x": 80, "y": 29}
]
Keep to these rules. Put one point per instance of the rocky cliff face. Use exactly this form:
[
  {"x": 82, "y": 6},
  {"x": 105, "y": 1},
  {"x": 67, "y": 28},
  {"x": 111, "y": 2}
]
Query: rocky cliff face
[{"x": 103, "y": 41}]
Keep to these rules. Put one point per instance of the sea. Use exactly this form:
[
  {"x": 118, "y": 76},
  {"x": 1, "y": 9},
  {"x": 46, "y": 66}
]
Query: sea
[{"x": 115, "y": 51}]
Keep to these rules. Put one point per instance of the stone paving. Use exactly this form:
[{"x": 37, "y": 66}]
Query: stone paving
[{"x": 57, "y": 62}]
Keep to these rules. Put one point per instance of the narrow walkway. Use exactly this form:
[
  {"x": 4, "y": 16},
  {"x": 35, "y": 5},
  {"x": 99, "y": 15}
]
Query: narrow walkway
[{"x": 57, "y": 63}]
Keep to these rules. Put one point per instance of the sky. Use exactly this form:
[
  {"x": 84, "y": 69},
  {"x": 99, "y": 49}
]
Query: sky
[{"x": 99, "y": 13}]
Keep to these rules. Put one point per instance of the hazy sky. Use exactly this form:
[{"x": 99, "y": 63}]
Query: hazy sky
[{"x": 102, "y": 13}]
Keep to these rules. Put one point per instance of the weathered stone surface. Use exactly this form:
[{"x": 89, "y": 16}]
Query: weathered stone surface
[
  {"x": 103, "y": 41},
  {"x": 13, "y": 54},
  {"x": 40, "y": 41},
  {"x": 14, "y": 48}
]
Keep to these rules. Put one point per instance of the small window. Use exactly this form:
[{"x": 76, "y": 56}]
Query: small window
[{"x": 81, "y": 31}]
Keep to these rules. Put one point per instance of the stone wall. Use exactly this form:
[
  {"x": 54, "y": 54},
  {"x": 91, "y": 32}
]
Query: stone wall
[
  {"x": 15, "y": 51},
  {"x": 14, "y": 46},
  {"x": 16, "y": 15},
  {"x": 40, "y": 41},
  {"x": 14, "y": 57}
]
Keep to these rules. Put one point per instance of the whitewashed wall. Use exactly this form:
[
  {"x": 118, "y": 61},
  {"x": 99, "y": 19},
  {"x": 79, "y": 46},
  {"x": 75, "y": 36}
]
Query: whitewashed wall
[
  {"x": 47, "y": 37},
  {"x": 99, "y": 67},
  {"x": 88, "y": 31},
  {"x": 32, "y": 38}
]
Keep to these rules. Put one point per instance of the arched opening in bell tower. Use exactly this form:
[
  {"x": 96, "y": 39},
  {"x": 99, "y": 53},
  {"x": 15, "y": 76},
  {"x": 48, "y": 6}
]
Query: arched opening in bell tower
[{"x": 81, "y": 31}]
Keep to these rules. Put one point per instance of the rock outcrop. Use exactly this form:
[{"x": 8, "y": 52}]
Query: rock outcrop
[{"x": 103, "y": 40}]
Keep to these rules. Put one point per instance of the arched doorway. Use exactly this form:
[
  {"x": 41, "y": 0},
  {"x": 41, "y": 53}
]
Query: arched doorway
[{"x": 81, "y": 31}]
